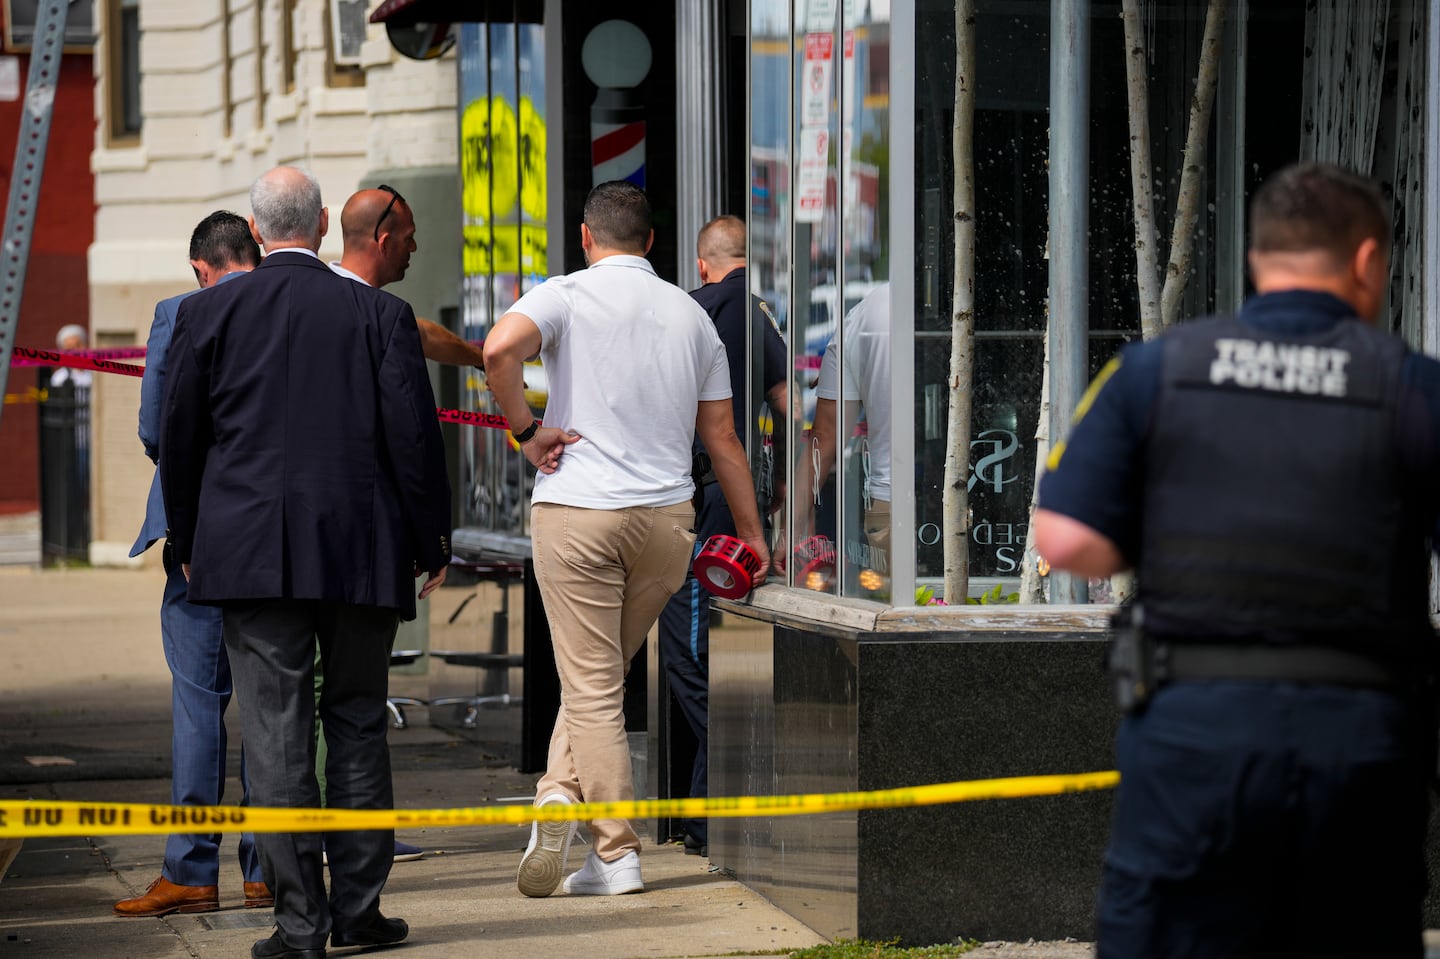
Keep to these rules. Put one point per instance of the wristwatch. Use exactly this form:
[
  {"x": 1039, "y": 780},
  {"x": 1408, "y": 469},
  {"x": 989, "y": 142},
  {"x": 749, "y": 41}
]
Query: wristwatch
[{"x": 528, "y": 433}]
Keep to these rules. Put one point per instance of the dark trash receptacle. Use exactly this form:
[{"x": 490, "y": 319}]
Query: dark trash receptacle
[{"x": 65, "y": 470}]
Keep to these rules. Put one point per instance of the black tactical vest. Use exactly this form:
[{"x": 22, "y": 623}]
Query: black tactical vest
[{"x": 1274, "y": 506}]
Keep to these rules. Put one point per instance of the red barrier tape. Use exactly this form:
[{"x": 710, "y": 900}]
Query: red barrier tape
[
  {"x": 473, "y": 418},
  {"x": 111, "y": 353},
  {"x": 119, "y": 353},
  {"x": 726, "y": 566},
  {"x": 27, "y": 357}
]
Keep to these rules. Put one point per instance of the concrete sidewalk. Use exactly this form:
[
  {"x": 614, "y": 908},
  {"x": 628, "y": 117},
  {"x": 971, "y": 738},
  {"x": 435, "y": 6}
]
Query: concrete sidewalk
[{"x": 85, "y": 715}]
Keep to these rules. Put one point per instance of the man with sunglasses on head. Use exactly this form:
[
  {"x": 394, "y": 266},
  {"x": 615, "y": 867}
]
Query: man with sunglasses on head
[{"x": 378, "y": 228}]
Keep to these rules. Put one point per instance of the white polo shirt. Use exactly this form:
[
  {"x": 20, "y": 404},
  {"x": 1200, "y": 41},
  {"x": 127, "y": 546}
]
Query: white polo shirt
[
  {"x": 866, "y": 378},
  {"x": 628, "y": 357}
]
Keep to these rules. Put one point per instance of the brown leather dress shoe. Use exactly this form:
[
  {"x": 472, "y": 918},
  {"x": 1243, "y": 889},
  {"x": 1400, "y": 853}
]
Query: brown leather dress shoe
[
  {"x": 258, "y": 896},
  {"x": 164, "y": 897}
]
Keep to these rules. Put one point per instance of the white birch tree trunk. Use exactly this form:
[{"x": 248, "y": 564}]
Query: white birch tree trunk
[
  {"x": 1032, "y": 581},
  {"x": 1147, "y": 250},
  {"x": 955, "y": 503},
  {"x": 1187, "y": 205},
  {"x": 1160, "y": 308}
]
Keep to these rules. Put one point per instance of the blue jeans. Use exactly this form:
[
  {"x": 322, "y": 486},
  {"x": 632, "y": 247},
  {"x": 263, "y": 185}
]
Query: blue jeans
[
  {"x": 200, "y": 692},
  {"x": 684, "y": 648},
  {"x": 1268, "y": 819}
]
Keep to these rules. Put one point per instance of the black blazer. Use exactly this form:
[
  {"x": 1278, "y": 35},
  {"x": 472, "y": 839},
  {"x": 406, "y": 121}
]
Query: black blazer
[{"x": 300, "y": 455}]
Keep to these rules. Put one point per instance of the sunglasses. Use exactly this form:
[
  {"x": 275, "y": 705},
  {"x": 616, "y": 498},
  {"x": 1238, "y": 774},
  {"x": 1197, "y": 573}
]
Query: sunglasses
[{"x": 394, "y": 195}]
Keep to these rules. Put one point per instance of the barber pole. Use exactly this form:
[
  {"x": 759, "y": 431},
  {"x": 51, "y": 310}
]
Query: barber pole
[
  {"x": 616, "y": 58},
  {"x": 617, "y": 143}
]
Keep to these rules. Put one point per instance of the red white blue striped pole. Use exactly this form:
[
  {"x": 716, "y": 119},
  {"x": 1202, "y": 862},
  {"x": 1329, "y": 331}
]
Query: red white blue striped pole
[{"x": 616, "y": 57}]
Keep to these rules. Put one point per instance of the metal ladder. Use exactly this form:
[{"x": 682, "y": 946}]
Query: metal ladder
[{"x": 29, "y": 167}]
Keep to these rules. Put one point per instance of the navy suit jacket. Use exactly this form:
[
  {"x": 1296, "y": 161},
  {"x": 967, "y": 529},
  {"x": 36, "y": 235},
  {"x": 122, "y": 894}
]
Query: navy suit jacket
[
  {"x": 152, "y": 392},
  {"x": 300, "y": 454}
]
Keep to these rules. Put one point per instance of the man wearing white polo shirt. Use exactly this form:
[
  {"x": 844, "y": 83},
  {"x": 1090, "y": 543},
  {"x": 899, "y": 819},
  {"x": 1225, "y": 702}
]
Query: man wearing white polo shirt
[{"x": 635, "y": 370}]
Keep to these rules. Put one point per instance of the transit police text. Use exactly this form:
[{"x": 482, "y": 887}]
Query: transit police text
[{"x": 1280, "y": 367}]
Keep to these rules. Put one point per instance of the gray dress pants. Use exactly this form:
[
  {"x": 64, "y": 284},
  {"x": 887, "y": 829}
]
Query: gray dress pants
[{"x": 272, "y": 645}]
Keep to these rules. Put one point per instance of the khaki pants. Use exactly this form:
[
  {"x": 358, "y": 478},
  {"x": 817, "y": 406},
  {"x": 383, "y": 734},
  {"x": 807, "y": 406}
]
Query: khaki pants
[
  {"x": 877, "y": 533},
  {"x": 604, "y": 576}
]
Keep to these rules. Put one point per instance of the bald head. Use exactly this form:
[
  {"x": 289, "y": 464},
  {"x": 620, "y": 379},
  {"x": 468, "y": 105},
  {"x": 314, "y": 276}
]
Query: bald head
[
  {"x": 361, "y": 215},
  {"x": 720, "y": 248},
  {"x": 378, "y": 228},
  {"x": 286, "y": 210}
]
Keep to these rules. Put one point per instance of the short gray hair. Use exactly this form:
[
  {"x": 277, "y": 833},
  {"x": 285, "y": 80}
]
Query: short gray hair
[{"x": 286, "y": 204}]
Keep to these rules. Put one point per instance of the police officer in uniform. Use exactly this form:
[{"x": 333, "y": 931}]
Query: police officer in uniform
[
  {"x": 1273, "y": 478},
  {"x": 684, "y": 627}
]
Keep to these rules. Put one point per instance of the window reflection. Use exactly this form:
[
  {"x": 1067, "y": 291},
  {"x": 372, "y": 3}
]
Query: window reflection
[
  {"x": 505, "y": 253},
  {"x": 839, "y": 84},
  {"x": 852, "y": 429},
  {"x": 771, "y": 68},
  {"x": 820, "y": 226}
]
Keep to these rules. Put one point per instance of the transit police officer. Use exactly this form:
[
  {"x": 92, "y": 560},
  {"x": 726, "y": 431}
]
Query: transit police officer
[{"x": 1273, "y": 478}]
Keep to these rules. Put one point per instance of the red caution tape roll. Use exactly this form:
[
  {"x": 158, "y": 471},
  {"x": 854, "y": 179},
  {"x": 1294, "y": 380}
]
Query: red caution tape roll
[
  {"x": 726, "y": 567},
  {"x": 815, "y": 559}
]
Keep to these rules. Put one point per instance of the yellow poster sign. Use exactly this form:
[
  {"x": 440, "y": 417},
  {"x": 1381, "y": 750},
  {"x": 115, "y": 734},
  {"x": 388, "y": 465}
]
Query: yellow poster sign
[
  {"x": 489, "y": 168},
  {"x": 532, "y": 161},
  {"x": 505, "y": 248},
  {"x": 502, "y": 161}
]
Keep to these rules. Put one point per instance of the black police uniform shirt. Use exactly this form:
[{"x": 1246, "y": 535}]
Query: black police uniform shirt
[
  {"x": 1096, "y": 475},
  {"x": 726, "y": 303}
]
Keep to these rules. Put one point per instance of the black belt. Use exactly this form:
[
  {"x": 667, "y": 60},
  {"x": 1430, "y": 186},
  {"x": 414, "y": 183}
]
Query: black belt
[{"x": 1300, "y": 664}]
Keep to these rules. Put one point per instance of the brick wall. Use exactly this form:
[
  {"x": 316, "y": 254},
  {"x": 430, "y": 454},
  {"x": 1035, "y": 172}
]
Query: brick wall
[{"x": 55, "y": 288}]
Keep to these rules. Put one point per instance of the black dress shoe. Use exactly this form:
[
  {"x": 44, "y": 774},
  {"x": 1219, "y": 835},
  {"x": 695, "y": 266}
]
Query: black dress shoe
[
  {"x": 381, "y": 932},
  {"x": 276, "y": 948}
]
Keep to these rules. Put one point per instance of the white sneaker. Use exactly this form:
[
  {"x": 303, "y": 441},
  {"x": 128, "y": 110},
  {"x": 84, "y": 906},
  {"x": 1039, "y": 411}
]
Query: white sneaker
[
  {"x": 544, "y": 861},
  {"x": 600, "y": 878}
]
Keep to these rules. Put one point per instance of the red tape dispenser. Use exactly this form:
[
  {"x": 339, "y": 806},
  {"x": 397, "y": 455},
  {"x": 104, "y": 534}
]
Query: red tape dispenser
[
  {"x": 726, "y": 567},
  {"x": 815, "y": 558}
]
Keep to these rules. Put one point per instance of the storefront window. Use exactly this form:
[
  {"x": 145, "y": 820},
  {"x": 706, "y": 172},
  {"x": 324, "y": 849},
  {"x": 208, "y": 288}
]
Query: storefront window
[
  {"x": 819, "y": 204},
  {"x": 815, "y": 305},
  {"x": 855, "y": 375},
  {"x": 504, "y": 199},
  {"x": 1010, "y": 175},
  {"x": 1012, "y": 269}
]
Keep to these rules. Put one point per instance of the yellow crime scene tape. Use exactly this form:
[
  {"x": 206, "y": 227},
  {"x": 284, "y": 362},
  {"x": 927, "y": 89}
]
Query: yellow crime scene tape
[
  {"x": 35, "y": 818},
  {"x": 32, "y": 395}
]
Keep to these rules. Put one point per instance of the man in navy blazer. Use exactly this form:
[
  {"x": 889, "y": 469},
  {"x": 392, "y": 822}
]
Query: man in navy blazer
[
  {"x": 304, "y": 478},
  {"x": 221, "y": 249}
]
